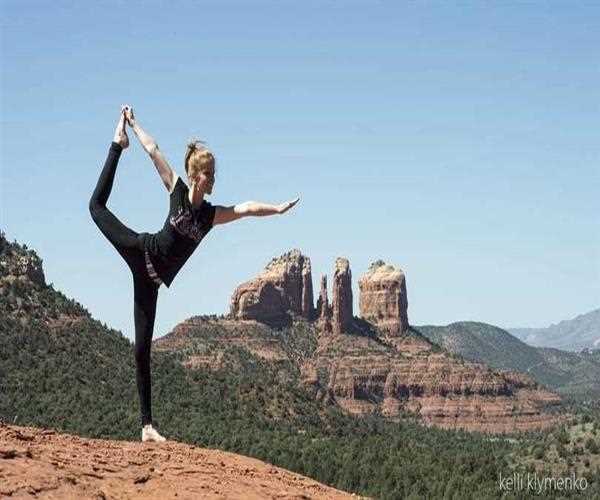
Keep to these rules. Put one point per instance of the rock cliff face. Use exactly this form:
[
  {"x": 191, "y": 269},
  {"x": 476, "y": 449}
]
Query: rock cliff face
[
  {"x": 450, "y": 393},
  {"x": 284, "y": 287},
  {"x": 383, "y": 299},
  {"x": 342, "y": 314}
]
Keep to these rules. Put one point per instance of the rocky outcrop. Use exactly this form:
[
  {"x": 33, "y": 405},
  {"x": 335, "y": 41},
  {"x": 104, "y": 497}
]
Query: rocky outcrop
[
  {"x": 19, "y": 262},
  {"x": 283, "y": 288},
  {"x": 383, "y": 299},
  {"x": 342, "y": 314},
  {"x": 24, "y": 294},
  {"x": 399, "y": 371}
]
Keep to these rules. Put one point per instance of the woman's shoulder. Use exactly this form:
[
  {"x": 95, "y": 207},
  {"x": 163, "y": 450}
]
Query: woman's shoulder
[
  {"x": 208, "y": 211},
  {"x": 179, "y": 186}
]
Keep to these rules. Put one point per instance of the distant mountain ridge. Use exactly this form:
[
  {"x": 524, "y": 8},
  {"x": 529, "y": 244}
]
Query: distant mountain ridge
[
  {"x": 571, "y": 374},
  {"x": 581, "y": 332}
]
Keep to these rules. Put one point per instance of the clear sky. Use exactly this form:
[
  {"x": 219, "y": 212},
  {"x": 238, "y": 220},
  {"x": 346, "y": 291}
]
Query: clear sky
[{"x": 458, "y": 142}]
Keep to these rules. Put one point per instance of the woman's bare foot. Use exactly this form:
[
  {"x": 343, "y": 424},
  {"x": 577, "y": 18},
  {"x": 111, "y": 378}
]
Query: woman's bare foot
[{"x": 120, "y": 133}]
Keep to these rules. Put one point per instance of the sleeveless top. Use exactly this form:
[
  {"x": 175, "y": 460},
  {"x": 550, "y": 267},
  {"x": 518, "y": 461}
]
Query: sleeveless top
[{"x": 167, "y": 251}]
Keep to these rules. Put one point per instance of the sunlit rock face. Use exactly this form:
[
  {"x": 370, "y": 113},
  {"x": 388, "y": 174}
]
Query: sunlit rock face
[
  {"x": 284, "y": 287},
  {"x": 342, "y": 314},
  {"x": 383, "y": 299}
]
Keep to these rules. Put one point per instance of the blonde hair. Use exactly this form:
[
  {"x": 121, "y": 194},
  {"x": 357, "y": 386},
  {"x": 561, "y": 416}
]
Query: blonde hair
[{"x": 197, "y": 158}]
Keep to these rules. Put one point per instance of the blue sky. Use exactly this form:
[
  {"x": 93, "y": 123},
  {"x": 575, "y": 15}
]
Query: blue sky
[{"x": 458, "y": 142}]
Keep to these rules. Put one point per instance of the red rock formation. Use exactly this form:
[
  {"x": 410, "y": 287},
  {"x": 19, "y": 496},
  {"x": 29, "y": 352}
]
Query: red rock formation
[
  {"x": 285, "y": 286},
  {"x": 342, "y": 297},
  {"x": 383, "y": 299},
  {"x": 402, "y": 372}
]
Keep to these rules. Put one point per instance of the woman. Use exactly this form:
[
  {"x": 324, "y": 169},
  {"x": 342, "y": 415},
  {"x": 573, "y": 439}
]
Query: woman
[{"x": 155, "y": 259}]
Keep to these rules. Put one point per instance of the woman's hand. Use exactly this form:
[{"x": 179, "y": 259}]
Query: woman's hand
[
  {"x": 284, "y": 207},
  {"x": 128, "y": 110},
  {"x": 120, "y": 133}
]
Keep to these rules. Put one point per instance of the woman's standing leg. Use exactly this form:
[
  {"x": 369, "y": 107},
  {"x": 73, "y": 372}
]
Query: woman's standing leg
[{"x": 145, "y": 294}]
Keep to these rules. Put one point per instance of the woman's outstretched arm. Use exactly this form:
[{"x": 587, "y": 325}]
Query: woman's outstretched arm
[
  {"x": 167, "y": 174},
  {"x": 250, "y": 208}
]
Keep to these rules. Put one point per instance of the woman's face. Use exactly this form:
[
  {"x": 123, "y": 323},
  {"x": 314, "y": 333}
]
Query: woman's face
[{"x": 206, "y": 180}]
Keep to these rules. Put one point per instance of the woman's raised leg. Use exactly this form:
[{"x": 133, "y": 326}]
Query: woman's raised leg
[
  {"x": 120, "y": 236},
  {"x": 125, "y": 240}
]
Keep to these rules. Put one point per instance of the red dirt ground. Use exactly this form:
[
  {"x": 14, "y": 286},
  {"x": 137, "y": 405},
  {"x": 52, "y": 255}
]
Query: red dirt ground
[{"x": 43, "y": 463}]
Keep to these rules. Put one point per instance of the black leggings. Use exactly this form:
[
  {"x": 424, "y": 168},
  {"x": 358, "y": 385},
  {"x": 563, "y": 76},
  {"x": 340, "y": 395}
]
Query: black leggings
[{"x": 145, "y": 291}]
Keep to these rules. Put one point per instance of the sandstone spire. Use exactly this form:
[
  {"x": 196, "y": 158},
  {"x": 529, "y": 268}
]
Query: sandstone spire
[
  {"x": 323, "y": 307},
  {"x": 308, "y": 308},
  {"x": 342, "y": 296}
]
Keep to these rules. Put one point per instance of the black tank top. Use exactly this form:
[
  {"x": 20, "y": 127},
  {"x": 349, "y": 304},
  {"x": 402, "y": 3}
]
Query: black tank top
[{"x": 184, "y": 229}]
